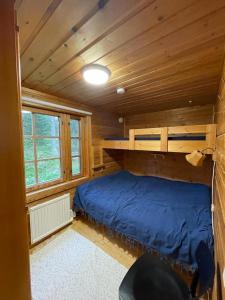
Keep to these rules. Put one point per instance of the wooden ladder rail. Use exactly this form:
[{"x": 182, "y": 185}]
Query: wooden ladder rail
[{"x": 162, "y": 131}]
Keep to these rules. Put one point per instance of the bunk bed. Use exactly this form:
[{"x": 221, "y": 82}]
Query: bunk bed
[
  {"x": 183, "y": 139},
  {"x": 172, "y": 218}
]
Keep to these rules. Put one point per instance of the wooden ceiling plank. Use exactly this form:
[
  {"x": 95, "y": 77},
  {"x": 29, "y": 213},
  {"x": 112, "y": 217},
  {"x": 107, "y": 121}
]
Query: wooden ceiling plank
[
  {"x": 66, "y": 17},
  {"x": 125, "y": 55},
  {"x": 187, "y": 38},
  {"x": 130, "y": 50},
  {"x": 181, "y": 91},
  {"x": 181, "y": 62},
  {"x": 143, "y": 107},
  {"x": 29, "y": 15},
  {"x": 157, "y": 82},
  {"x": 212, "y": 55},
  {"x": 100, "y": 25},
  {"x": 159, "y": 108},
  {"x": 164, "y": 52},
  {"x": 149, "y": 18},
  {"x": 160, "y": 98}
]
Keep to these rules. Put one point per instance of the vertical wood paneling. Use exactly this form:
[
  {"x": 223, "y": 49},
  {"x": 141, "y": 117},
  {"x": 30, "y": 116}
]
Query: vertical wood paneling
[
  {"x": 106, "y": 124},
  {"x": 219, "y": 194},
  {"x": 14, "y": 259}
]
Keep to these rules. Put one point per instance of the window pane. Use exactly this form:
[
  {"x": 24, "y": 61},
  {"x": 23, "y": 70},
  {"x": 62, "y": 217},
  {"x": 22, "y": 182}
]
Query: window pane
[
  {"x": 76, "y": 165},
  {"x": 49, "y": 170},
  {"x": 28, "y": 149},
  {"x": 74, "y": 128},
  {"x": 27, "y": 122},
  {"x": 30, "y": 174},
  {"x": 46, "y": 125},
  {"x": 47, "y": 148},
  {"x": 75, "y": 144}
]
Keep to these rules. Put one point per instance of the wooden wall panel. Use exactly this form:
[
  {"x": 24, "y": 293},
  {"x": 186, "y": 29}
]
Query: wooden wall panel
[
  {"x": 14, "y": 256},
  {"x": 106, "y": 124},
  {"x": 219, "y": 194},
  {"x": 169, "y": 165},
  {"x": 196, "y": 115}
]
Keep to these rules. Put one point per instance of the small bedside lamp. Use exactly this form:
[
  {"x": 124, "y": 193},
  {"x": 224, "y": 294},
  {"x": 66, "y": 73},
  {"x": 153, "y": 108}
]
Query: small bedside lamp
[{"x": 196, "y": 157}]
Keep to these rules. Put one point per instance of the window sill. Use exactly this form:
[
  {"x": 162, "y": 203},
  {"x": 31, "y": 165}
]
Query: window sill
[{"x": 45, "y": 192}]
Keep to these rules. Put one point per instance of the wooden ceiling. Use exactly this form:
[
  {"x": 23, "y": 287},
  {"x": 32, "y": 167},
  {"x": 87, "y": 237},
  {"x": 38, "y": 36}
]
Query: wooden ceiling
[{"x": 166, "y": 53}]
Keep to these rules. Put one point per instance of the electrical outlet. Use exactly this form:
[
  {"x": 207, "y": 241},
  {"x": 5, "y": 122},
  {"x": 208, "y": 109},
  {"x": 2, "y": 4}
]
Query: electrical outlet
[{"x": 224, "y": 277}]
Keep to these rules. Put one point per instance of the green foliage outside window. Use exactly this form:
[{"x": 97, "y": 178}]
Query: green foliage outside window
[
  {"x": 41, "y": 148},
  {"x": 75, "y": 146}
]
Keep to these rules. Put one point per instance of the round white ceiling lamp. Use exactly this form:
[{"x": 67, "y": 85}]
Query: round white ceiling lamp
[
  {"x": 120, "y": 90},
  {"x": 95, "y": 74}
]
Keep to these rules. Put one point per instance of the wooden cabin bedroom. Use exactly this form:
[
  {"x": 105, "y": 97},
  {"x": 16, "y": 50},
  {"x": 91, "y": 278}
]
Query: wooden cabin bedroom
[{"x": 112, "y": 127}]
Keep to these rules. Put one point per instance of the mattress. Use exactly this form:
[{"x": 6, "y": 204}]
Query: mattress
[
  {"x": 157, "y": 138},
  {"x": 170, "y": 217}
]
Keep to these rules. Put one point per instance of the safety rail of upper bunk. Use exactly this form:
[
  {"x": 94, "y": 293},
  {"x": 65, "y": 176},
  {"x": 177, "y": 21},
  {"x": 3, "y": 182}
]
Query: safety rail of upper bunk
[{"x": 163, "y": 143}]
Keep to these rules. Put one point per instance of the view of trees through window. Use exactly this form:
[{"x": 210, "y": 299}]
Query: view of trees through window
[
  {"x": 41, "y": 148},
  {"x": 75, "y": 146},
  {"x": 45, "y": 147}
]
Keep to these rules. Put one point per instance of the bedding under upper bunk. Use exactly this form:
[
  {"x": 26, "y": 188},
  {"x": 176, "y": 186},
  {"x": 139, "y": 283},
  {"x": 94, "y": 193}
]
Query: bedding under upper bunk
[
  {"x": 170, "y": 217},
  {"x": 183, "y": 139}
]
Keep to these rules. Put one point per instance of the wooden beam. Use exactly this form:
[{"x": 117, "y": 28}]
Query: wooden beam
[{"x": 14, "y": 256}]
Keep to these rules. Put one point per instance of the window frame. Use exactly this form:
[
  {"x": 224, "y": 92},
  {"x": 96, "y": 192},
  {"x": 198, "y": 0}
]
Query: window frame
[
  {"x": 81, "y": 147},
  {"x": 39, "y": 186},
  {"x": 65, "y": 148}
]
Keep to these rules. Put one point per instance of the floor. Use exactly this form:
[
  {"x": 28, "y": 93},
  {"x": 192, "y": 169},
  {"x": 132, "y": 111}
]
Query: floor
[
  {"x": 115, "y": 246},
  {"x": 112, "y": 245}
]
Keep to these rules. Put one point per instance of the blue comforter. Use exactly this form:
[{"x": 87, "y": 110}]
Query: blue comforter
[{"x": 170, "y": 217}]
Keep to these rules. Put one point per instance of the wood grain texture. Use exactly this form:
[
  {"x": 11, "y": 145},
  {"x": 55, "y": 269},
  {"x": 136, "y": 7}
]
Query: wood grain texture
[
  {"x": 14, "y": 256},
  {"x": 164, "y": 52},
  {"x": 169, "y": 165},
  {"x": 219, "y": 193},
  {"x": 197, "y": 115}
]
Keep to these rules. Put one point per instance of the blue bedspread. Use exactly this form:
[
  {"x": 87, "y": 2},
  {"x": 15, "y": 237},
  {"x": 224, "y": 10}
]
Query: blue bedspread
[{"x": 171, "y": 217}]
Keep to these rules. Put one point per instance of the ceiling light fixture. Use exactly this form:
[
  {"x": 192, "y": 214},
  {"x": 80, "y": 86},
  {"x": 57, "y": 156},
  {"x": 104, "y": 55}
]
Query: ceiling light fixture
[{"x": 96, "y": 74}]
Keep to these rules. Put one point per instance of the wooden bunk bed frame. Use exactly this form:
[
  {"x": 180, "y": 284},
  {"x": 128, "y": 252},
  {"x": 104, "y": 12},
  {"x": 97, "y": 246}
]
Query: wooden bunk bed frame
[{"x": 163, "y": 143}]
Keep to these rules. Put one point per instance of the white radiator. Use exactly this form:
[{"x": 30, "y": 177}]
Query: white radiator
[{"x": 47, "y": 217}]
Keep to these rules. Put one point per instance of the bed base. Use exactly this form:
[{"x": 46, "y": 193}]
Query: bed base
[
  {"x": 164, "y": 144},
  {"x": 183, "y": 268}
]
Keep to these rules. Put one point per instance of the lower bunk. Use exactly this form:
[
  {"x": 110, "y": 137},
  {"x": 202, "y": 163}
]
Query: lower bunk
[{"x": 171, "y": 218}]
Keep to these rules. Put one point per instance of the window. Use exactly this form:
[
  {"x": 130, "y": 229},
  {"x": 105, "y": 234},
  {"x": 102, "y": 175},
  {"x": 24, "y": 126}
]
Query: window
[
  {"x": 75, "y": 146},
  {"x": 42, "y": 153},
  {"x": 53, "y": 148}
]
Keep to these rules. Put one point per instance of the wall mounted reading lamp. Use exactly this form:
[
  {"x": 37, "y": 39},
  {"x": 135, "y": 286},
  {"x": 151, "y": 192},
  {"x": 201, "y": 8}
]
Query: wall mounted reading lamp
[{"x": 196, "y": 157}]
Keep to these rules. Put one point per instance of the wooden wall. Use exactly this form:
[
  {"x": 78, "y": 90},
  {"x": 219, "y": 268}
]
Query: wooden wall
[
  {"x": 169, "y": 165},
  {"x": 219, "y": 193},
  {"x": 14, "y": 256},
  {"x": 106, "y": 124},
  {"x": 195, "y": 115}
]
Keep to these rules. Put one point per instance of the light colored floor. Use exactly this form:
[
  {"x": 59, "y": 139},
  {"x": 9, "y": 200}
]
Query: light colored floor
[
  {"x": 112, "y": 245},
  {"x": 72, "y": 267}
]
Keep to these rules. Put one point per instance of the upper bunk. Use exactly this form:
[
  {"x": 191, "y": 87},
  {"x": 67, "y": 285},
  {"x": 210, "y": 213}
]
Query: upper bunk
[{"x": 183, "y": 139}]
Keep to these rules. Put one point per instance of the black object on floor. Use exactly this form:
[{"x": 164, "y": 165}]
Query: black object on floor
[{"x": 151, "y": 279}]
